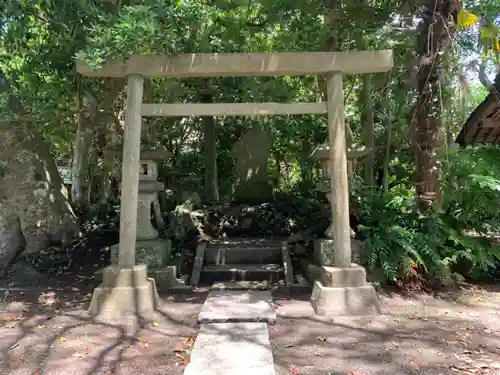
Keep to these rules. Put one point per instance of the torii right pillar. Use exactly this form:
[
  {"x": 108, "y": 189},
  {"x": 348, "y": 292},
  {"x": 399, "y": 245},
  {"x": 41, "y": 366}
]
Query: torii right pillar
[{"x": 341, "y": 289}]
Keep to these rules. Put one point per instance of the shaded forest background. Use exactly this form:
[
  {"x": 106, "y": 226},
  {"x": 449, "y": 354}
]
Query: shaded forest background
[{"x": 425, "y": 209}]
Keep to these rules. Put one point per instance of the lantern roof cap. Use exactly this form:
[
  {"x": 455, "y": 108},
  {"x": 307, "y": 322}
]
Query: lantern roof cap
[
  {"x": 322, "y": 152},
  {"x": 156, "y": 153}
]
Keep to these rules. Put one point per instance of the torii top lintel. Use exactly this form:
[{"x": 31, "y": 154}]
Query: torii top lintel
[{"x": 244, "y": 64}]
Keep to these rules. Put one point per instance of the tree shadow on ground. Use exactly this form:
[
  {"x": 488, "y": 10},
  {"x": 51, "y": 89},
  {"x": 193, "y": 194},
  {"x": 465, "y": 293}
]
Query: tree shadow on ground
[
  {"x": 413, "y": 336},
  {"x": 48, "y": 332}
]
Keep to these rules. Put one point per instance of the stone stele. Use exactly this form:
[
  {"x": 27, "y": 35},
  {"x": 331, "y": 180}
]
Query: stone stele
[{"x": 251, "y": 155}]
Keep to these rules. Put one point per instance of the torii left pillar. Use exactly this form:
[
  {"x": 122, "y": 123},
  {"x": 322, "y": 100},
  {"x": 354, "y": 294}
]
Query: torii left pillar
[{"x": 126, "y": 288}]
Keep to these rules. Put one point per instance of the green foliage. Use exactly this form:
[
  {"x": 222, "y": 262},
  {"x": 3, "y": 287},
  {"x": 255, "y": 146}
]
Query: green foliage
[
  {"x": 394, "y": 232},
  {"x": 450, "y": 237},
  {"x": 471, "y": 187}
]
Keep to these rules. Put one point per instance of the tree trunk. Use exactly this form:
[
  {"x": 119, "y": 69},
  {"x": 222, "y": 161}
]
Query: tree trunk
[
  {"x": 32, "y": 189},
  {"x": 11, "y": 235},
  {"x": 433, "y": 42},
  {"x": 210, "y": 151},
  {"x": 108, "y": 133},
  {"x": 367, "y": 135},
  {"x": 277, "y": 161},
  {"x": 388, "y": 140},
  {"x": 81, "y": 155}
]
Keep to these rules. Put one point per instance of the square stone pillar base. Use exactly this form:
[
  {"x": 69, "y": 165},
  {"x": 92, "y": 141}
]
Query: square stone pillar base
[
  {"x": 124, "y": 291},
  {"x": 156, "y": 254},
  {"x": 343, "y": 291}
]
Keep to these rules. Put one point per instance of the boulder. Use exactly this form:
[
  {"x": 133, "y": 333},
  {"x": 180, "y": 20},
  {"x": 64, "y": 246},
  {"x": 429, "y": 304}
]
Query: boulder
[{"x": 33, "y": 200}]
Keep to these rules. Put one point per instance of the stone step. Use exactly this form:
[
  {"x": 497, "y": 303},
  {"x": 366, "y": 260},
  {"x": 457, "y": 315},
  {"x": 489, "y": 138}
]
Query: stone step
[
  {"x": 238, "y": 306},
  {"x": 242, "y": 254},
  {"x": 242, "y": 272},
  {"x": 241, "y": 285},
  {"x": 232, "y": 349}
]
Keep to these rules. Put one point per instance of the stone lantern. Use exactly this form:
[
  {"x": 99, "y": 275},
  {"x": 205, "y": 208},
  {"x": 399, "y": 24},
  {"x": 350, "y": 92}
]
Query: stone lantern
[
  {"x": 151, "y": 249},
  {"x": 322, "y": 154},
  {"x": 149, "y": 188},
  {"x": 322, "y": 266}
]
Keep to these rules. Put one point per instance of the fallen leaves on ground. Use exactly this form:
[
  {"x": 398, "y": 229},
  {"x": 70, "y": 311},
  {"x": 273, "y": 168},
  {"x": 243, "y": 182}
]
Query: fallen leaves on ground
[
  {"x": 185, "y": 345},
  {"x": 183, "y": 360},
  {"x": 10, "y": 321},
  {"x": 474, "y": 359},
  {"x": 190, "y": 342},
  {"x": 143, "y": 342},
  {"x": 82, "y": 353},
  {"x": 183, "y": 351},
  {"x": 316, "y": 351}
]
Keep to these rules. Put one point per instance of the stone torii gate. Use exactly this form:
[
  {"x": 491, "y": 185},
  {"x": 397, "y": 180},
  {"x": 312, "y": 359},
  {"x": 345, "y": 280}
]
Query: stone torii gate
[{"x": 126, "y": 287}]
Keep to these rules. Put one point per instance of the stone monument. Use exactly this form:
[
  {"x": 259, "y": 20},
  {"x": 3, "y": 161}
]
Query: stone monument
[
  {"x": 338, "y": 290},
  {"x": 151, "y": 249},
  {"x": 252, "y": 155}
]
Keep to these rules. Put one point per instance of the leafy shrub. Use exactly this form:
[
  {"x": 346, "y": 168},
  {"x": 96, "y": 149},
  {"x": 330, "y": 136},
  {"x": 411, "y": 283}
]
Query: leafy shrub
[{"x": 449, "y": 238}]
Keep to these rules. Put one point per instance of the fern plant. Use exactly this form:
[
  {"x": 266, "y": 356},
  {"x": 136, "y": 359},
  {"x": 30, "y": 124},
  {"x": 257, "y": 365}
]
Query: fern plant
[{"x": 451, "y": 237}]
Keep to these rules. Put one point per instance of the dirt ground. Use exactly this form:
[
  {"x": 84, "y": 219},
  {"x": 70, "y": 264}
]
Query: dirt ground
[
  {"x": 449, "y": 334},
  {"x": 47, "y": 332}
]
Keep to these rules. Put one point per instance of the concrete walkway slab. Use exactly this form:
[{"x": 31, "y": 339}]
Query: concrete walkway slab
[
  {"x": 232, "y": 348},
  {"x": 238, "y": 306}
]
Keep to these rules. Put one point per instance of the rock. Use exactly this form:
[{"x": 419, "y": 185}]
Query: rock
[
  {"x": 296, "y": 237},
  {"x": 26, "y": 274},
  {"x": 282, "y": 217},
  {"x": 191, "y": 199},
  {"x": 183, "y": 221},
  {"x": 298, "y": 220},
  {"x": 299, "y": 250}
]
